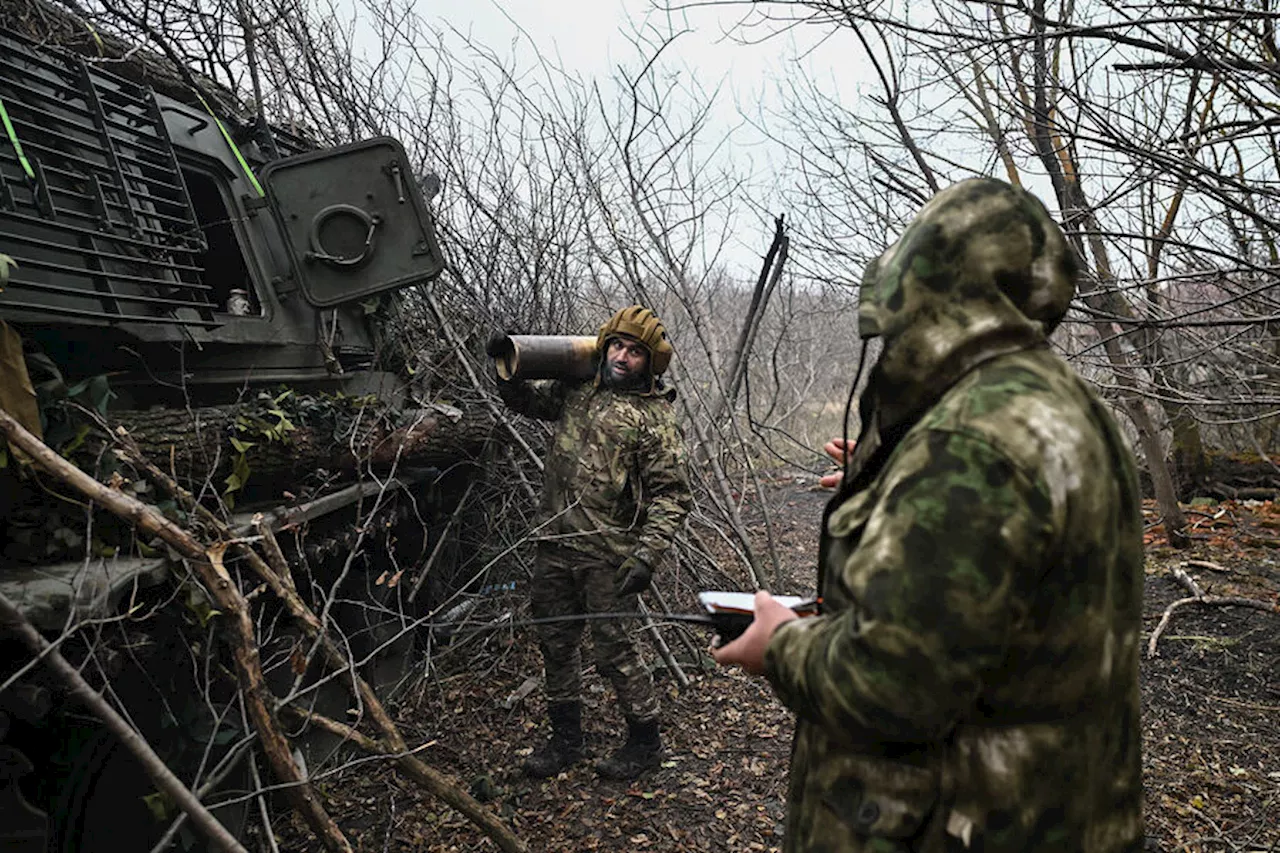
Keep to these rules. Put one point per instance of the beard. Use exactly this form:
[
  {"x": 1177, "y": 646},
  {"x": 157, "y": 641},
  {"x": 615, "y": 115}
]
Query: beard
[{"x": 622, "y": 380}]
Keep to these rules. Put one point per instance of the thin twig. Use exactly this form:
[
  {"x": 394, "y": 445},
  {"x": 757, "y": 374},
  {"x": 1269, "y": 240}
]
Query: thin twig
[
  {"x": 267, "y": 831},
  {"x": 12, "y": 620},
  {"x": 681, "y": 631},
  {"x": 1212, "y": 600},
  {"x": 461, "y": 352},
  {"x": 223, "y": 769},
  {"x": 440, "y": 540},
  {"x": 663, "y": 649}
]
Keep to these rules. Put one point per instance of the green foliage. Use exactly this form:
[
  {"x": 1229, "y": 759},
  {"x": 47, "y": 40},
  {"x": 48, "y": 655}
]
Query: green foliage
[
  {"x": 271, "y": 418},
  {"x": 159, "y": 805},
  {"x": 198, "y": 604},
  {"x": 45, "y": 523},
  {"x": 267, "y": 421},
  {"x": 240, "y": 470},
  {"x": 65, "y": 429}
]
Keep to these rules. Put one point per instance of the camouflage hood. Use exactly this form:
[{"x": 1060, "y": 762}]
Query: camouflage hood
[{"x": 981, "y": 271}]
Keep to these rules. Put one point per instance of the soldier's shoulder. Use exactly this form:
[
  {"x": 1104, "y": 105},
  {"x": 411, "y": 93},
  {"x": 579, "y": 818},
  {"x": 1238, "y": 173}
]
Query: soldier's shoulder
[
  {"x": 575, "y": 390},
  {"x": 999, "y": 389},
  {"x": 1026, "y": 404},
  {"x": 657, "y": 408}
]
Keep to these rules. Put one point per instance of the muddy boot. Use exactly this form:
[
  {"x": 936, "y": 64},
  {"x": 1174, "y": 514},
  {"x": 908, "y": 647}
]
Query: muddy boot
[
  {"x": 564, "y": 748},
  {"x": 641, "y": 752}
]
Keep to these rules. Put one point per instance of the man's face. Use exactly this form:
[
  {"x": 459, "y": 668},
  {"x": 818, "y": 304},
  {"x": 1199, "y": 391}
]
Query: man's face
[{"x": 625, "y": 362}]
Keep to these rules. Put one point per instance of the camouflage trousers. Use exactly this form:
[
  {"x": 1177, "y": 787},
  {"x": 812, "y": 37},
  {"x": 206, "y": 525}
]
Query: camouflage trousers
[{"x": 569, "y": 582}]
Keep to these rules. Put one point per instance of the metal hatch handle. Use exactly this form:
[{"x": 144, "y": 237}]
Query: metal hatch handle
[{"x": 320, "y": 253}]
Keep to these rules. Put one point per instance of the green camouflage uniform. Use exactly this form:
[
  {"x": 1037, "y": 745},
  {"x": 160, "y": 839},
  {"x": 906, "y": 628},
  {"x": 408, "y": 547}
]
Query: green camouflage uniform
[
  {"x": 973, "y": 680},
  {"x": 615, "y": 486}
]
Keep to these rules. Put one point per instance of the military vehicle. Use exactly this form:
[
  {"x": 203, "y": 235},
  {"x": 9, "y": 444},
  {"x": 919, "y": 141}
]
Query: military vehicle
[
  {"x": 140, "y": 228},
  {"x": 191, "y": 258}
]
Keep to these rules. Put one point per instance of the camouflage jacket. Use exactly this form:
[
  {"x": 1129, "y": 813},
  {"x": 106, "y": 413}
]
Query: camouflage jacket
[
  {"x": 973, "y": 680},
  {"x": 616, "y": 480}
]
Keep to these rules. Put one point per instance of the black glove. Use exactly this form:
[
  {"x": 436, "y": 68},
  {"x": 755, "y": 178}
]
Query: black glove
[
  {"x": 634, "y": 576},
  {"x": 496, "y": 345}
]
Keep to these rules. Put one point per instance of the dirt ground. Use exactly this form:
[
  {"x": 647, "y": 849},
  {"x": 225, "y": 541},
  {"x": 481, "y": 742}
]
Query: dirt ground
[{"x": 1211, "y": 704}]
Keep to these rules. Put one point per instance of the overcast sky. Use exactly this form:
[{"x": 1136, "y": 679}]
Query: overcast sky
[{"x": 591, "y": 38}]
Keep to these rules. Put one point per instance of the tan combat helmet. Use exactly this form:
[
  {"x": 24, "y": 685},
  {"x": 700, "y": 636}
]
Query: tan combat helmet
[{"x": 643, "y": 325}]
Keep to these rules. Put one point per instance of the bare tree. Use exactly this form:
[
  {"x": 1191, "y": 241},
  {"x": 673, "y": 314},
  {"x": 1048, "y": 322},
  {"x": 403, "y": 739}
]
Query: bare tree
[{"x": 1149, "y": 135}]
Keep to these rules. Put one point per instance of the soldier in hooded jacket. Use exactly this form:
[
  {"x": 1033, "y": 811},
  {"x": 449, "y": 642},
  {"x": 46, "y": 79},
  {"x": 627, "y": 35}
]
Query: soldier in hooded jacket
[
  {"x": 972, "y": 680},
  {"x": 615, "y": 492}
]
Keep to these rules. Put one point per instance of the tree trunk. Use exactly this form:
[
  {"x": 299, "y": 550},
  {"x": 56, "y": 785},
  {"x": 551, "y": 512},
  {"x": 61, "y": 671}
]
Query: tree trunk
[
  {"x": 1191, "y": 466},
  {"x": 1098, "y": 293},
  {"x": 1175, "y": 521},
  {"x": 195, "y": 445}
]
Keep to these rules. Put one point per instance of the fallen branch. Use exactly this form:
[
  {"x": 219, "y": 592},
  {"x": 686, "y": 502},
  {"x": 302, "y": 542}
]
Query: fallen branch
[
  {"x": 1205, "y": 564},
  {"x": 425, "y": 775},
  {"x": 392, "y": 743},
  {"x": 1181, "y": 576},
  {"x": 663, "y": 649},
  {"x": 12, "y": 620},
  {"x": 275, "y": 556},
  {"x": 1198, "y": 597},
  {"x": 224, "y": 769},
  {"x": 207, "y": 565}
]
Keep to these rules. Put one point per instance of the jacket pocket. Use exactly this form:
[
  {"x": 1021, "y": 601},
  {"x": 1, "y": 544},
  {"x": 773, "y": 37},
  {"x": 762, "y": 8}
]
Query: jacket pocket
[{"x": 881, "y": 798}]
